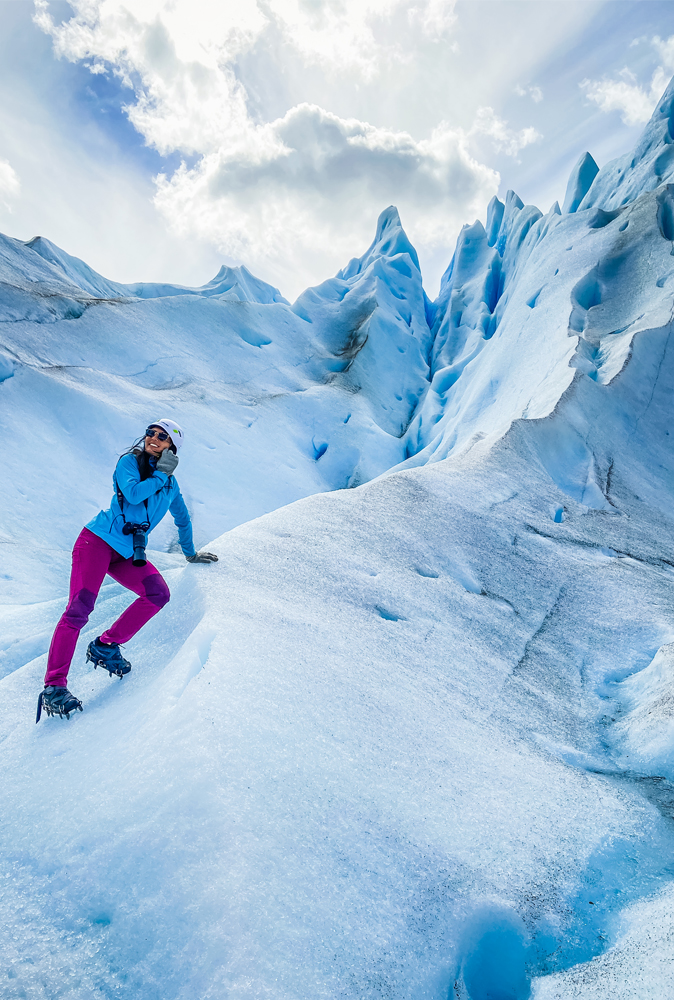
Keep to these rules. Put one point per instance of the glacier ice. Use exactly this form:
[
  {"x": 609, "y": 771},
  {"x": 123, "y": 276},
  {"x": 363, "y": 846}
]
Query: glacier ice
[
  {"x": 411, "y": 737},
  {"x": 580, "y": 182},
  {"x": 235, "y": 283}
]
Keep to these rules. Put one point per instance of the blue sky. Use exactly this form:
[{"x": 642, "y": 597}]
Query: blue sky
[{"x": 273, "y": 132}]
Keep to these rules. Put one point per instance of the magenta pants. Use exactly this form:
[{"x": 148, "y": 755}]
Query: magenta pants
[{"x": 92, "y": 559}]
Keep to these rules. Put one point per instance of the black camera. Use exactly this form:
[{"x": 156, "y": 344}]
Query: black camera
[{"x": 139, "y": 540}]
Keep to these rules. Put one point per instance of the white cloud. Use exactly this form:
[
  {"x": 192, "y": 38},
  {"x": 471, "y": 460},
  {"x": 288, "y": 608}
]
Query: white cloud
[
  {"x": 665, "y": 50},
  {"x": 505, "y": 139},
  {"x": 162, "y": 37},
  {"x": 436, "y": 18},
  {"x": 618, "y": 95},
  {"x": 341, "y": 34},
  {"x": 9, "y": 184},
  {"x": 535, "y": 93},
  {"x": 634, "y": 102},
  {"x": 298, "y": 194},
  {"x": 625, "y": 94},
  {"x": 308, "y": 183},
  {"x": 176, "y": 57}
]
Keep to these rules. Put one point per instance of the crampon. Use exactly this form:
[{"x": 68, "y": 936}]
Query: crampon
[
  {"x": 108, "y": 657},
  {"x": 57, "y": 701}
]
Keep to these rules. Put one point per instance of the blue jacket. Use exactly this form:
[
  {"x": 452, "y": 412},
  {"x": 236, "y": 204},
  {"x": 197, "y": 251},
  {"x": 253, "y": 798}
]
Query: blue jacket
[{"x": 161, "y": 492}]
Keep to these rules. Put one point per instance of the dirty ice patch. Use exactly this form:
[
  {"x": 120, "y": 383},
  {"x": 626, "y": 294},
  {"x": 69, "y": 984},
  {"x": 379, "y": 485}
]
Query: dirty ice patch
[{"x": 643, "y": 955}]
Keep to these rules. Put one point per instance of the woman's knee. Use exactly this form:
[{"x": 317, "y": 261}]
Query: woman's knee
[
  {"x": 156, "y": 590},
  {"x": 80, "y": 607}
]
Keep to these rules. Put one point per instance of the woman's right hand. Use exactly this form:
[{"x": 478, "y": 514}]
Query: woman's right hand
[
  {"x": 202, "y": 557},
  {"x": 167, "y": 462}
]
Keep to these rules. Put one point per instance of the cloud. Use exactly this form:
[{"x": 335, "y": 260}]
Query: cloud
[
  {"x": 9, "y": 184},
  {"x": 625, "y": 94},
  {"x": 341, "y": 35},
  {"x": 436, "y": 18},
  {"x": 310, "y": 185},
  {"x": 174, "y": 58},
  {"x": 535, "y": 93},
  {"x": 295, "y": 195},
  {"x": 157, "y": 38},
  {"x": 504, "y": 139},
  {"x": 665, "y": 50}
]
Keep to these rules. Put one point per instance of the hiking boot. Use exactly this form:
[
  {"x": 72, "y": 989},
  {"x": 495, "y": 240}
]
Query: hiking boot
[
  {"x": 57, "y": 701},
  {"x": 108, "y": 656}
]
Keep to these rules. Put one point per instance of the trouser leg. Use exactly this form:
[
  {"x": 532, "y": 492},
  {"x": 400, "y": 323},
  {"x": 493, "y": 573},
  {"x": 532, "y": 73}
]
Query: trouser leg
[
  {"x": 149, "y": 584},
  {"x": 91, "y": 558}
]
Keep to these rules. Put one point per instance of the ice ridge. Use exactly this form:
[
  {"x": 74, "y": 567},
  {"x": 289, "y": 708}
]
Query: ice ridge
[
  {"x": 576, "y": 285},
  {"x": 373, "y": 319},
  {"x": 235, "y": 283}
]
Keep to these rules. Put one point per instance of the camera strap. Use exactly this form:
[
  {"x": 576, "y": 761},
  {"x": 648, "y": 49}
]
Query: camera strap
[{"x": 120, "y": 500}]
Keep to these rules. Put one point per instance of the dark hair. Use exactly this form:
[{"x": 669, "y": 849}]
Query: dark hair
[{"x": 142, "y": 457}]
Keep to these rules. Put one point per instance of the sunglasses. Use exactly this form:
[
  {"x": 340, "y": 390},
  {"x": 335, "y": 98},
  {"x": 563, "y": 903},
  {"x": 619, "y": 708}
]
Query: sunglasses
[{"x": 151, "y": 431}]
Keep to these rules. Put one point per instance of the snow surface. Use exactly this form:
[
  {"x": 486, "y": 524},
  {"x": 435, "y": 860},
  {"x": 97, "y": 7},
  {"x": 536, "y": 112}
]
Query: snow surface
[{"x": 412, "y": 735}]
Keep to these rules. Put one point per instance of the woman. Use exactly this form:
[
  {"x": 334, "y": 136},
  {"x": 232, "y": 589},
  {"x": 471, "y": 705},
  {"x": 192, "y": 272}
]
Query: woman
[{"x": 113, "y": 543}]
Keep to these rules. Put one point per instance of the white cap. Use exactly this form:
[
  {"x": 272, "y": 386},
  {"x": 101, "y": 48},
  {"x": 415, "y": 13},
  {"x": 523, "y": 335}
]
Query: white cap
[{"x": 172, "y": 428}]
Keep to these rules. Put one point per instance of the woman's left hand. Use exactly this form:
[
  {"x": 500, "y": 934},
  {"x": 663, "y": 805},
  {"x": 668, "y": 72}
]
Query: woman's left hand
[
  {"x": 167, "y": 462},
  {"x": 202, "y": 557}
]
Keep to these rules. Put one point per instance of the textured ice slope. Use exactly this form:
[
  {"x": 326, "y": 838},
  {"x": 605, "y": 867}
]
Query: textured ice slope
[
  {"x": 372, "y": 768},
  {"x": 406, "y": 740}
]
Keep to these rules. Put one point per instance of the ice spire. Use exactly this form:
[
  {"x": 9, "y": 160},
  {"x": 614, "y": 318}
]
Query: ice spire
[{"x": 580, "y": 183}]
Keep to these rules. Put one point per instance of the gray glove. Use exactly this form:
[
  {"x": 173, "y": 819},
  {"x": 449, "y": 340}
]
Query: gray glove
[
  {"x": 202, "y": 557},
  {"x": 167, "y": 462}
]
